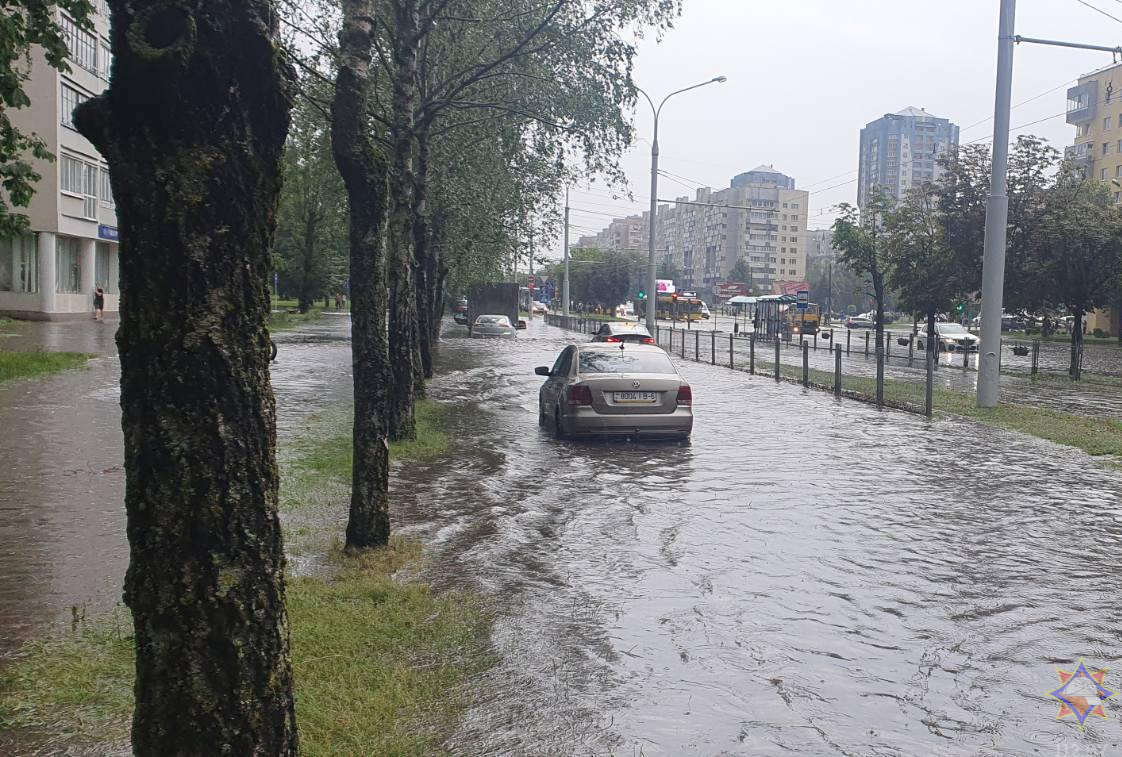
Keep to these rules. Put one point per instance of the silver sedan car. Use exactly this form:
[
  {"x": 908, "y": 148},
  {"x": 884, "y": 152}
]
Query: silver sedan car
[
  {"x": 492, "y": 325},
  {"x": 608, "y": 389}
]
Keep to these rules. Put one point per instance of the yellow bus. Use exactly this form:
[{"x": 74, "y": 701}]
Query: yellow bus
[
  {"x": 671, "y": 307},
  {"x": 802, "y": 322}
]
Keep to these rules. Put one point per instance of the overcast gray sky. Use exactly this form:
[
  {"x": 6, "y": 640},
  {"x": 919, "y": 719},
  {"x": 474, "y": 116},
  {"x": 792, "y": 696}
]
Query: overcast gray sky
[{"x": 804, "y": 76}]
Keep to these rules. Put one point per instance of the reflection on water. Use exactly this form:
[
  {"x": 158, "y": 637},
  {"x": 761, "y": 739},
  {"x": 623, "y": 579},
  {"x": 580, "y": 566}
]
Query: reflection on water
[
  {"x": 808, "y": 577},
  {"x": 62, "y": 520}
]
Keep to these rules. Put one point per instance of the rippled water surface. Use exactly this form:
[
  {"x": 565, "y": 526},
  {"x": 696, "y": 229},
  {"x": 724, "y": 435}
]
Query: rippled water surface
[
  {"x": 808, "y": 577},
  {"x": 62, "y": 518}
]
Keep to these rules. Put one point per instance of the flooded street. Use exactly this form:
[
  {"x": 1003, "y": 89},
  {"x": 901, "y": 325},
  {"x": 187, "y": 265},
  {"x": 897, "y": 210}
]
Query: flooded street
[
  {"x": 62, "y": 517},
  {"x": 808, "y": 577}
]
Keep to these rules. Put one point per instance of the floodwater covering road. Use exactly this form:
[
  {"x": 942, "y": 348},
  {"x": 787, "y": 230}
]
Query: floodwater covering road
[
  {"x": 62, "y": 515},
  {"x": 810, "y": 576}
]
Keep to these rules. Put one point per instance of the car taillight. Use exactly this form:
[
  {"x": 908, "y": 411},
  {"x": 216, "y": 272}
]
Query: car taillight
[
  {"x": 611, "y": 339},
  {"x": 580, "y": 394},
  {"x": 685, "y": 395},
  {"x": 649, "y": 340}
]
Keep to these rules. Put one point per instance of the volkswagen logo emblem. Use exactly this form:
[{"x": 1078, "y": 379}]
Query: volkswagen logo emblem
[{"x": 635, "y": 384}]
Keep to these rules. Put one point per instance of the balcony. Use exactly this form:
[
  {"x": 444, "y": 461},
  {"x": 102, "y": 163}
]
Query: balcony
[
  {"x": 1082, "y": 103},
  {"x": 1080, "y": 156}
]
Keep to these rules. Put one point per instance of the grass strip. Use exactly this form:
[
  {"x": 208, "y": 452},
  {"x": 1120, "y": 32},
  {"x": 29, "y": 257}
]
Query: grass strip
[
  {"x": 380, "y": 663},
  {"x": 1097, "y": 437},
  {"x": 16, "y": 365},
  {"x": 286, "y": 320}
]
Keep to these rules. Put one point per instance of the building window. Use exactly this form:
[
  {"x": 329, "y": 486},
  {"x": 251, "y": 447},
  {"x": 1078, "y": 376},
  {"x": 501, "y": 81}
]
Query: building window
[
  {"x": 70, "y": 179},
  {"x": 81, "y": 44},
  {"x": 1102, "y": 175},
  {"x": 1108, "y": 122},
  {"x": 68, "y": 267},
  {"x": 1106, "y": 148},
  {"x": 103, "y": 268},
  {"x": 19, "y": 264},
  {"x": 71, "y": 99},
  {"x": 106, "y": 193},
  {"x": 106, "y": 61}
]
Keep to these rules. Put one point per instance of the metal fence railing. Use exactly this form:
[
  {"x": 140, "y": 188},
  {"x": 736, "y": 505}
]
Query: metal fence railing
[{"x": 846, "y": 361}]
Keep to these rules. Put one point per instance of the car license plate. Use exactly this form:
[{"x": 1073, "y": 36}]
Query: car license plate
[{"x": 634, "y": 398}]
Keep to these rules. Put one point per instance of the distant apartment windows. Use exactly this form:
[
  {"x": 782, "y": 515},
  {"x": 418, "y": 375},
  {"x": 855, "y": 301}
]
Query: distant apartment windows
[
  {"x": 81, "y": 44},
  {"x": 103, "y": 270},
  {"x": 106, "y": 193},
  {"x": 106, "y": 61},
  {"x": 1108, "y": 122},
  {"x": 80, "y": 178},
  {"x": 784, "y": 204},
  {"x": 1118, "y": 172},
  {"x": 794, "y": 206},
  {"x": 794, "y": 218},
  {"x": 68, "y": 268},
  {"x": 1106, "y": 148},
  {"x": 1102, "y": 174},
  {"x": 19, "y": 264},
  {"x": 71, "y": 99},
  {"x": 1083, "y": 130}
]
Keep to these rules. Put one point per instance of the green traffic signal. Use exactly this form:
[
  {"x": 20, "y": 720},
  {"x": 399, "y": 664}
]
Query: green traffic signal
[
  {"x": 960, "y": 307},
  {"x": 642, "y": 295}
]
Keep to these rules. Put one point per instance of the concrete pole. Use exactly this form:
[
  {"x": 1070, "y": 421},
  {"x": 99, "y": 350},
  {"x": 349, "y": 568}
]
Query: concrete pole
[
  {"x": 652, "y": 292},
  {"x": 531, "y": 314},
  {"x": 48, "y": 271},
  {"x": 565, "y": 253},
  {"x": 997, "y": 217}
]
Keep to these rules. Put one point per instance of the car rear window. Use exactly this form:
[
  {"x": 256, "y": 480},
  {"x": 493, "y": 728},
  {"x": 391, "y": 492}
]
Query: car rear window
[
  {"x": 499, "y": 319},
  {"x": 622, "y": 361}
]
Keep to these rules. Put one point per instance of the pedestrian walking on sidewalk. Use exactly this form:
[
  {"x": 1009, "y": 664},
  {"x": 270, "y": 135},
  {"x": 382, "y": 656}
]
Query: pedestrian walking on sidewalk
[{"x": 99, "y": 303}]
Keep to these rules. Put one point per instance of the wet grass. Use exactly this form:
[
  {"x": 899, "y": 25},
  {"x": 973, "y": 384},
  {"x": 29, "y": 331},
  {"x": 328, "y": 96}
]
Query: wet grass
[
  {"x": 1096, "y": 436},
  {"x": 380, "y": 663},
  {"x": 16, "y": 365},
  {"x": 285, "y": 320}
]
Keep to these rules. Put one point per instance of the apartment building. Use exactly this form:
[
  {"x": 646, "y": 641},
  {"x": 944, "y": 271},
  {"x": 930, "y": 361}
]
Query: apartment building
[
  {"x": 760, "y": 218},
  {"x": 623, "y": 234},
  {"x": 1094, "y": 108},
  {"x": 820, "y": 245},
  {"x": 71, "y": 247},
  {"x": 900, "y": 151}
]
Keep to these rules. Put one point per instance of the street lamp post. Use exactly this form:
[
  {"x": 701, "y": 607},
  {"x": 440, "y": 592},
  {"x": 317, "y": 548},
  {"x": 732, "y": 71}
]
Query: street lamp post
[{"x": 652, "y": 292}]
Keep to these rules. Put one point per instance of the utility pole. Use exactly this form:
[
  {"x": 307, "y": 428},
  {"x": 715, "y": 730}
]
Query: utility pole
[
  {"x": 652, "y": 292},
  {"x": 997, "y": 216},
  {"x": 565, "y": 254},
  {"x": 830, "y": 292}
]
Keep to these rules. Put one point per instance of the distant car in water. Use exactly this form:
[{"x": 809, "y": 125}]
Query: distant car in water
[
  {"x": 493, "y": 325},
  {"x": 859, "y": 322},
  {"x": 540, "y": 307},
  {"x": 623, "y": 331},
  {"x": 615, "y": 390},
  {"x": 460, "y": 312},
  {"x": 952, "y": 337}
]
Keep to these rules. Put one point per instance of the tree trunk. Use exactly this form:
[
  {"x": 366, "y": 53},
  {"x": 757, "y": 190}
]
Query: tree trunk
[
  {"x": 193, "y": 127},
  {"x": 307, "y": 264},
  {"x": 363, "y": 171},
  {"x": 424, "y": 264},
  {"x": 403, "y": 296},
  {"x": 1075, "y": 369}
]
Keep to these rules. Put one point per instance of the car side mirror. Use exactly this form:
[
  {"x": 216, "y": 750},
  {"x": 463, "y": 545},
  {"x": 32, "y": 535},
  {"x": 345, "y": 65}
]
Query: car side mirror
[
  {"x": 541, "y": 370},
  {"x": 521, "y": 324}
]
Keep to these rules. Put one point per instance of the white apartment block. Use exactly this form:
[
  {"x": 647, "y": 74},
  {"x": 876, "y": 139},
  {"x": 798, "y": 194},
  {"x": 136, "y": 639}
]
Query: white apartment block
[
  {"x": 51, "y": 272},
  {"x": 760, "y": 218},
  {"x": 622, "y": 234}
]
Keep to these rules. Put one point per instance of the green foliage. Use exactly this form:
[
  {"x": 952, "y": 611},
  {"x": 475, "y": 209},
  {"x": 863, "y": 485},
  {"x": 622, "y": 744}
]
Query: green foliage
[
  {"x": 311, "y": 237},
  {"x": 922, "y": 268},
  {"x": 601, "y": 278},
  {"x": 23, "y": 25},
  {"x": 846, "y": 287},
  {"x": 862, "y": 242},
  {"x": 741, "y": 272},
  {"x": 14, "y": 365}
]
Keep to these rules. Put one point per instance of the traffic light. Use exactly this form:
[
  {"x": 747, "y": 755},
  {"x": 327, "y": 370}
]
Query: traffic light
[
  {"x": 674, "y": 296},
  {"x": 960, "y": 307},
  {"x": 530, "y": 281},
  {"x": 642, "y": 295}
]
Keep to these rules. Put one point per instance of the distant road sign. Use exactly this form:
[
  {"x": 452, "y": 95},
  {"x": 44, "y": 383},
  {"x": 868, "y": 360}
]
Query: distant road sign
[{"x": 802, "y": 301}]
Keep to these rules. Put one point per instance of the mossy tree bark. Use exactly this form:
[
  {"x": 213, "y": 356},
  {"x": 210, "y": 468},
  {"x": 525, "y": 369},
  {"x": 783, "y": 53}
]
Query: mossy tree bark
[
  {"x": 363, "y": 169},
  {"x": 425, "y": 264},
  {"x": 193, "y": 127}
]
